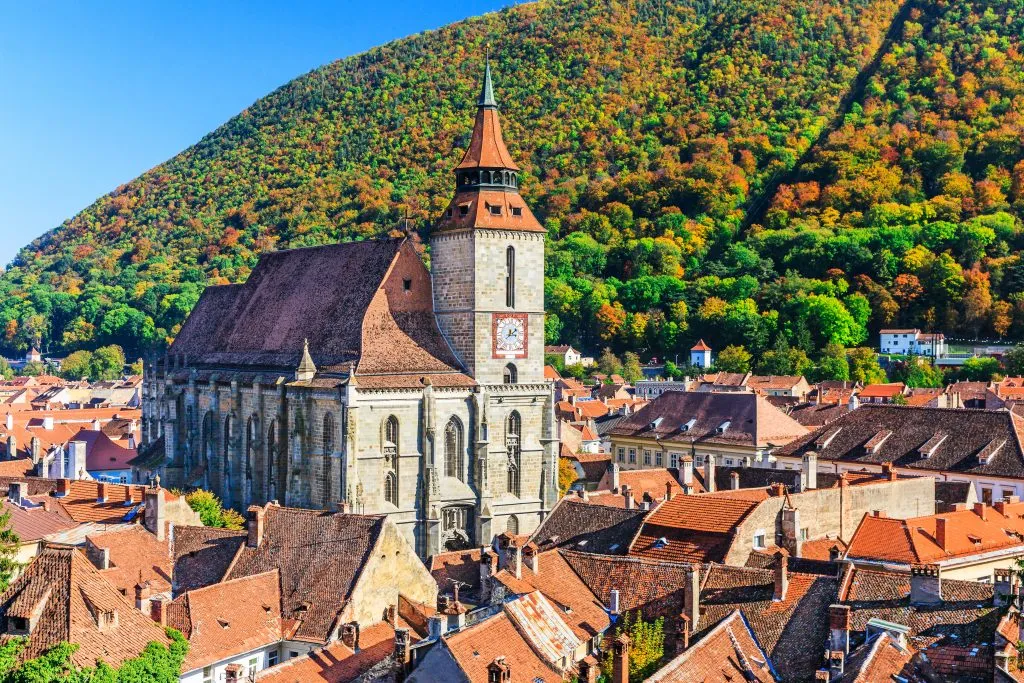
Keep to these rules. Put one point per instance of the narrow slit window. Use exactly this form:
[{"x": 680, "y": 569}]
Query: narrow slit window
[{"x": 510, "y": 277}]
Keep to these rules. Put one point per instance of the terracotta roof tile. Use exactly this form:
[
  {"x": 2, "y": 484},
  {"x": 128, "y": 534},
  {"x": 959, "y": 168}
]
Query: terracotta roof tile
[
  {"x": 135, "y": 555},
  {"x": 336, "y": 663},
  {"x": 581, "y": 526},
  {"x": 229, "y": 619},
  {"x": 202, "y": 555},
  {"x": 35, "y": 523},
  {"x": 882, "y": 390},
  {"x": 77, "y": 605},
  {"x": 729, "y": 652},
  {"x": 475, "y": 647}
]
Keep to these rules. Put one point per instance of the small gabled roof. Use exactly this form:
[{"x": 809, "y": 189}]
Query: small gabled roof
[
  {"x": 728, "y": 652},
  {"x": 700, "y": 346}
]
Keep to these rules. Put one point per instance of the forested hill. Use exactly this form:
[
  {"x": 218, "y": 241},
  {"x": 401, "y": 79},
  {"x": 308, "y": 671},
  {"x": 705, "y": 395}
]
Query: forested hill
[{"x": 647, "y": 131}]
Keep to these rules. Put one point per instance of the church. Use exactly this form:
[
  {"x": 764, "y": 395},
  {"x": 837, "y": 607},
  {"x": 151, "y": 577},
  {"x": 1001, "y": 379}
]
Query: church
[{"x": 350, "y": 376}]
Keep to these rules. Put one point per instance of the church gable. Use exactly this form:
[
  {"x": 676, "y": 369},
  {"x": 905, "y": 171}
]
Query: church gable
[
  {"x": 317, "y": 293},
  {"x": 399, "y": 332}
]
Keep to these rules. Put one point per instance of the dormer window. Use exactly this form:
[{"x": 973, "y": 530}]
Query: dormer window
[
  {"x": 990, "y": 450},
  {"x": 827, "y": 438},
  {"x": 17, "y": 625},
  {"x": 688, "y": 425},
  {"x": 875, "y": 442},
  {"x": 517, "y": 211},
  {"x": 931, "y": 445},
  {"x": 722, "y": 428},
  {"x": 464, "y": 210},
  {"x": 494, "y": 209},
  {"x": 448, "y": 213}
]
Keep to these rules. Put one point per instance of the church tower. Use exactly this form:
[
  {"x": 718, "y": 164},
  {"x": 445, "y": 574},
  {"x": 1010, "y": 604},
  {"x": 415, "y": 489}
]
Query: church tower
[{"x": 487, "y": 261}]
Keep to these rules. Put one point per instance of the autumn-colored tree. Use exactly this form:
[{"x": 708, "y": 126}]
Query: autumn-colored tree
[
  {"x": 864, "y": 367},
  {"x": 733, "y": 359}
]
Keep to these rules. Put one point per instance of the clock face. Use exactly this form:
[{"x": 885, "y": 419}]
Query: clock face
[{"x": 509, "y": 335}]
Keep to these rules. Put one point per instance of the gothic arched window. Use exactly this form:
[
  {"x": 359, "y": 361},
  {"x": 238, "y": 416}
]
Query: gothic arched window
[
  {"x": 454, "y": 460},
  {"x": 391, "y": 488},
  {"x": 329, "y": 432},
  {"x": 512, "y": 525},
  {"x": 271, "y": 459},
  {"x": 510, "y": 277},
  {"x": 510, "y": 375},
  {"x": 513, "y": 434},
  {"x": 390, "y": 445}
]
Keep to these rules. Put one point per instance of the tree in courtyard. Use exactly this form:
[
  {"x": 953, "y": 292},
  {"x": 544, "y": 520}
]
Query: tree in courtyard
[
  {"x": 646, "y": 646},
  {"x": 733, "y": 359}
]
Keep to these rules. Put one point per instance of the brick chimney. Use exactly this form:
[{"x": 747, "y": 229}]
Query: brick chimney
[
  {"x": 925, "y": 584},
  {"x": 103, "y": 492},
  {"x": 839, "y": 627},
  {"x": 350, "y": 635},
  {"x": 627, "y": 494},
  {"x": 941, "y": 531},
  {"x": 691, "y": 596},
  {"x": 620, "y": 659},
  {"x": 590, "y": 669},
  {"x": 531, "y": 557},
  {"x": 981, "y": 510},
  {"x": 233, "y": 673},
  {"x": 683, "y": 635},
  {"x": 156, "y": 513},
  {"x": 16, "y": 492},
  {"x": 836, "y": 663},
  {"x": 668, "y": 490},
  {"x": 613, "y": 471},
  {"x": 488, "y": 568},
  {"x": 142, "y": 595},
  {"x": 255, "y": 525},
  {"x": 157, "y": 610},
  {"x": 889, "y": 471},
  {"x": 402, "y": 653},
  {"x": 781, "y": 577},
  {"x": 63, "y": 487}
]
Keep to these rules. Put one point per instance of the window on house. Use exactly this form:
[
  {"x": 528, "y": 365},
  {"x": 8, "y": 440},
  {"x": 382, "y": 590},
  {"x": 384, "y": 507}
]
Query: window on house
[
  {"x": 207, "y": 674},
  {"x": 513, "y": 433},
  {"x": 805, "y": 534},
  {"x": 510, "y": 374},
  {"x": 253, "y": 664},
  {"x": 517, "y": 211},
  {"x": 673, "y": 460},
  {"x": 759, "y": 541},
  {"x": 647, "y": 457},
  {"x": 622, "y": 455},
  {"x": 632, "y": 456},
  {"x": 272, "y": 658},
  {"x": 495, "y": 210},
  {"x": 463, "y": 210},
  {"x": 659, "y": 459},
  {"x": 406, "y": 284},
  {"x": 986, "y": 496},
  {"x": 729, "y": 462}
]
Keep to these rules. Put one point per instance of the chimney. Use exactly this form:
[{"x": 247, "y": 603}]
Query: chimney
[
  {"x": 941, "y": 531},
  {"x": 155, "y": 514},
  {"x": 683, "y": 636},
  {"x": 691, "y": 596},
  {"x": 435, "y": 626},
  {"x": 1003, "y": 587},
  {"x": 615, "y": 476},
  {"x": 809, "y": 473},
  {"x": 233, "y": 673},
  {"x": 16, "y": 492},
  {"x": 980, "y": 509},
  {"x": 77, "y": 464},
  {"x": 836, "y": 664},
  {"x": 10, "y": 421},
  {"x": 36, "y": 449},
  {"x": 620, "y": 659},
  {"x": 613, "y": 601},
  {"x": 96, "y": 426},
  {"x": 488, "y": 567},
  {"x": 104, "y": 558},
  {"x": 835, "y": 553},
  {"x": 854, "y": 402},
  {"x": 102, "y": 492},
  {"x": 589, "y": 670},
  {"x": 686, "y": 471},
  {"x": 531, "y": 557},
  {"x": 12, "y": 446},
  {"x": 734, "y": 481},
  {"x": 668, "y": 490},
  {"x": 839, "y": 628},
  {"x": 925, "y": 584},
  {"x": 255, "y": 526},
  {"x": 142, "y": 595},
  {"x": 1000, "y": 506},
  {"x": 63, "y": 487},
  {"x": 498, "y": 671},
  {"x": 402, "y": 653},
  {"x": 781, "y": 577},
  {"x": 48, "y": 423},
  {"x": 515, "y": 560},
  {"x": 157, "y": 611},
  {"x": 791, "y": 531},
  {"x": 627, "y": 494},
  {"x": 350, "y": 635},
  {"x": 709, "y": 473}
]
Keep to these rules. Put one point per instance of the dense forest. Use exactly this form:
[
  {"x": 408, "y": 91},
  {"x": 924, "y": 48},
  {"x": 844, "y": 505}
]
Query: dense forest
[{"x": 784, "y": 175}]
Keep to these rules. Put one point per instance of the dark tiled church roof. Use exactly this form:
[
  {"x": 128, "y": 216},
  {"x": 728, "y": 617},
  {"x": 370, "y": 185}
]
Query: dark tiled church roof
[{"x": 364, "y": 302}]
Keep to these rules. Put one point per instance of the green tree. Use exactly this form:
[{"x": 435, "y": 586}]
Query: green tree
[
  {"x": 864, "y": 367},
  {"x": 9, "y": 546},
  {"x": 646, "y": 646},
  {"x": 77, "y": 365},
  {"x": 212, "y": 512},
  {"x": 980, "y": 369},
  {"x": 608, "y": 363},
  {"x": 5, "y": 369},
  {"x": 1013, "y": 360},
  {"x": 833, "y": 364},
  {"x": 33, "y": 369},
  {"x": 733, "y": 359},
  {"x": 107, "y": 363},
  {"x": 783, "y": 360},
  {"x": 631, "y": 368}
]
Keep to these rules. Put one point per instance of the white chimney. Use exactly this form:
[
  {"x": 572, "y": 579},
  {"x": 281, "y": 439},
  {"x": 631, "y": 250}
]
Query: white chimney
[
  {"x": 48, "y": 423},
  {"x": 10, "y": 420}
]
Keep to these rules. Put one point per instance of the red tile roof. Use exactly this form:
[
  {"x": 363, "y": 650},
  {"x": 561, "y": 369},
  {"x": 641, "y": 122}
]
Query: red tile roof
[
  {"x": 228, "y": 619},
  {"x": 475, "y": 647},
  {"x": 135, "y": 556},
  {"x": 336, "y": 663},
  {"x": 101, "y": 453},
  {"x": 700, "y": 346},
  {"x": 882, "y": 390},
  {"x": 36, "y": 522},
  {"x": 727, "y": 653}
]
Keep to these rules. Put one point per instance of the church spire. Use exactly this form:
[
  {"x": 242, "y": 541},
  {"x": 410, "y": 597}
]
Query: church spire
[
  {"x": 486, "y": 98},
  {"x": 487, "y": 179},
  {"x": 307, "y": 369}
]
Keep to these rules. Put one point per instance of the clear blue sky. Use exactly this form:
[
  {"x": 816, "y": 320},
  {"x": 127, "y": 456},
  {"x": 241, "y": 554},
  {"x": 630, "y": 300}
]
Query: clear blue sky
[{"x": 93, "y": 93}]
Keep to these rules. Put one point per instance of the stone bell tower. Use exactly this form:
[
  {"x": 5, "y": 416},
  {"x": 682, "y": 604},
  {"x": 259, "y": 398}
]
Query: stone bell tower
[{"x": 487, "y": 261}]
